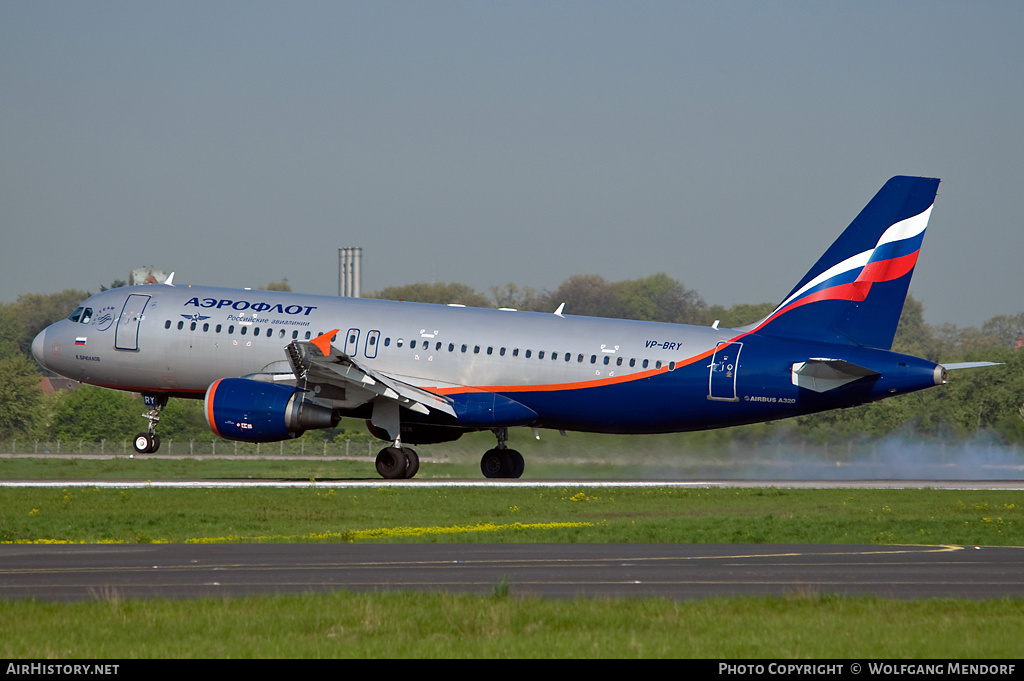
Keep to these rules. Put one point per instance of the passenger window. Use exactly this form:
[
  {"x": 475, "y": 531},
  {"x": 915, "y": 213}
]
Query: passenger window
[
  {"x": 206, "y": 327},
  {"x": 632, "y": 361},
  {"x": 540, "y": 355},
  {"x": 231, "y": 329},
  {"x": 167, "y": 324},
  {"x": 645, "y": 363},
  {"x": 243, "y": 330},
  {"x": 181, "y": 325},
  {"x": 398, "y": 343},
  {"x": 580, "y": 359},
  {"x": 295, "y": 335},
  {"x": 490, "y": 350},
  {"x": 607, "y": 359},
  {"x": 308, "y": 334},
  {"x": 218, "y": 328},
  {"x": 657, "y": 365},
  {"x": 412, "y": 344},
  {"x": 476, "y": 349},
  {"x": 463, "y": 347},
  {"x": 502, "y": 352},
  {"x": 515, "y": 352},
  {"x": 270, "y": 332},
  {"x": 593, "y": 359},
  {"x": 451, "y": 347},
  {"x": 437, "y": 347},
  {"x": 618, "y": 362}
]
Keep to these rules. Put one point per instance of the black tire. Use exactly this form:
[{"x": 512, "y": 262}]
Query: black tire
[
  {"x": 392, "y": 463},
  {"x": 412, "y": 465},
  {"x": 495, "y": 463},
  {"x": 516, "y": 464},
  {"x": 155, "y": 444},
  {"x": 142, "y": 443}
]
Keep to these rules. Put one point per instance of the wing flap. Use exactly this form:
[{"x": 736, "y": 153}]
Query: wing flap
[{"x": 311, "y": 362}]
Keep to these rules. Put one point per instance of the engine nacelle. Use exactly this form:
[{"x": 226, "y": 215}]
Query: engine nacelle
[{"x": 257, "y": 411}]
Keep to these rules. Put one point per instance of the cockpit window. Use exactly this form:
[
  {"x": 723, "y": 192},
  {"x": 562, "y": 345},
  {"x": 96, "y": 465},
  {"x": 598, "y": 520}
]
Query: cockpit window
[
  {"x": 76, "y": 315},
  {"x": 87, "y": 315}
]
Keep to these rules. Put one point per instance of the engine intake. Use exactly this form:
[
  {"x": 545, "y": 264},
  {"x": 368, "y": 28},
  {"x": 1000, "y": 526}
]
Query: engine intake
[{"x": 255, "y": 411}]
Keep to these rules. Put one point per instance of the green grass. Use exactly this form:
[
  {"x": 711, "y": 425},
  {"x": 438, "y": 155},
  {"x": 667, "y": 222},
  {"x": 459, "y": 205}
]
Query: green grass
[
  {"x": 433, "y": 625},
  {"x": 439, "y": 625},
  {"x": 518, "y": 514}
]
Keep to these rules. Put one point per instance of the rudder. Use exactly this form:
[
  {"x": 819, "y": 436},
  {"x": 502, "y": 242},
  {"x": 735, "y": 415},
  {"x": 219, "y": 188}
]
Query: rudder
[{"x": 854, "y": 294}]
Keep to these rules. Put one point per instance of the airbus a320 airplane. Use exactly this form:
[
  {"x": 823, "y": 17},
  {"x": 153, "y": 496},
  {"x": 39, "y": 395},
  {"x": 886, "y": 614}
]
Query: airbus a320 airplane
[{"x": 272, "y": 365}]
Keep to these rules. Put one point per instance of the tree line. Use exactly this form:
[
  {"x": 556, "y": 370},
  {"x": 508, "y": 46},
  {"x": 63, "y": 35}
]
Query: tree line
[{"x": 989, "y": 400}]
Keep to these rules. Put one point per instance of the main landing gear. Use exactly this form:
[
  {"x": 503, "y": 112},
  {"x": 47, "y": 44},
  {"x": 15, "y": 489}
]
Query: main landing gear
[
  {"x": 401, "y": 463},
  {"x": 149, "y": 442},
  {"x": 502, "y": 462},
  {"x": 397, "y": 462}
]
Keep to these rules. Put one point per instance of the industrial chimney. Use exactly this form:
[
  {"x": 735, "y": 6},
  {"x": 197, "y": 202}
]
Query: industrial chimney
[{"x": 349, "y": 273}]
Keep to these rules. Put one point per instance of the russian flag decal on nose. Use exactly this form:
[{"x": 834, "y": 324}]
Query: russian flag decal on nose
[{"x": 80, "y": 340}]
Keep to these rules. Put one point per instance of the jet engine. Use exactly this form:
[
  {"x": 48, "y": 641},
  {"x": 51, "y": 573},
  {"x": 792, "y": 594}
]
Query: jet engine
[{"x": 257, "y": 411}]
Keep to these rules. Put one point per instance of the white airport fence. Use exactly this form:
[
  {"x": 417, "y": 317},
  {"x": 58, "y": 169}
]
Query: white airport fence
[{"x": 196, "y": 447}]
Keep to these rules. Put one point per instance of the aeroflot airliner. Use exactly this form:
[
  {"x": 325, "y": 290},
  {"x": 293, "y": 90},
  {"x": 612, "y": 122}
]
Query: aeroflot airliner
[{"x": 272, "y": 365}]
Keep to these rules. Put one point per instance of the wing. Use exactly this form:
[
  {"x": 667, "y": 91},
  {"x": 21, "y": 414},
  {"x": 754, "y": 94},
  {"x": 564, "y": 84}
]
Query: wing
[{"x": 341, "y": 378}]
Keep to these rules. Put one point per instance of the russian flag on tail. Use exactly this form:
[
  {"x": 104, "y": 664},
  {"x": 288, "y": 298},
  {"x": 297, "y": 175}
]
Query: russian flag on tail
[{"x": 854, "y": 294}]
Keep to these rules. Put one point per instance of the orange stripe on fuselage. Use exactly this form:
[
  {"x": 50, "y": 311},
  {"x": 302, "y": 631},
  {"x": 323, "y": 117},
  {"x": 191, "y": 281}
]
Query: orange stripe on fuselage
[{"x": 575, "y": 385}]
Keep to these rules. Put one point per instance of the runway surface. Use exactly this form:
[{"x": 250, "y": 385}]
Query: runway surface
[
  {"x": 445, "y": 482},
  {"x": 677, "y": 571}
]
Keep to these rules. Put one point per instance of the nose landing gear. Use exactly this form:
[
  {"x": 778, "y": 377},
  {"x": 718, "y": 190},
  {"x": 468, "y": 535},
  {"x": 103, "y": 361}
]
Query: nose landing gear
[{"x": 149, "y": 442}]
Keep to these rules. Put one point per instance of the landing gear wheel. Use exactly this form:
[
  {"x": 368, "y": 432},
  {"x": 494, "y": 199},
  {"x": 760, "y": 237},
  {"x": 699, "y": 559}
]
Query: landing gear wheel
[
  {"x": 495, "y": 463},
  {"x": 155, "y": 444},
  {"x": 143, "y": 443},
  {"x": 412, "y": 462},
  {"x": 516, "y": 464},
  {"x": 392, "y": 463}
]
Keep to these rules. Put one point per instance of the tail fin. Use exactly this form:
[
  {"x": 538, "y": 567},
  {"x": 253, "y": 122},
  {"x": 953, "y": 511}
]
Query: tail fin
[{"x": 854, "y": 294}]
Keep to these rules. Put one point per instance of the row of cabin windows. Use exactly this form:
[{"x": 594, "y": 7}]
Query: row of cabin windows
[
  {"x": 555, "y": 356},
  {"x": 243, "y": 329}
]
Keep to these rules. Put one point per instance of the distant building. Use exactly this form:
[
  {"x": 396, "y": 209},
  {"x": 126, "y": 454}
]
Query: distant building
[{"x": 146, "y": 275}]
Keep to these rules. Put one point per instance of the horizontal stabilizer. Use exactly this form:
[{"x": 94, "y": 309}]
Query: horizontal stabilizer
[
  {"x": 821, "y": 374},
  {"x": 969, "y": 365}
]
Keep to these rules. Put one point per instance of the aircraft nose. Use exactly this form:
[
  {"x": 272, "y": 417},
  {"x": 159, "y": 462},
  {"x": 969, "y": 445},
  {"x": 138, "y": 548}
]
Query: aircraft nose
[{"x": 38, "y": 346}]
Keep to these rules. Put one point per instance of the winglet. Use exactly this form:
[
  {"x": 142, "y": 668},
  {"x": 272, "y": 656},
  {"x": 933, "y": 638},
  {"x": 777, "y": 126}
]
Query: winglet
[
  {"x": 324, "y": 342},
  {"x": 170, "y": 280}
]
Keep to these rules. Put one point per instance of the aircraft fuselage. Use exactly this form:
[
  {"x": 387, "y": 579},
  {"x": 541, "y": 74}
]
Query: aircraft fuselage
[{"x": 574, "y": 373}]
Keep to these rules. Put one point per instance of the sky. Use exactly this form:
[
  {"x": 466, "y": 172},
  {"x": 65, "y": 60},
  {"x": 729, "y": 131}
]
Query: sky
[{"x": 726, "y": 144}]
